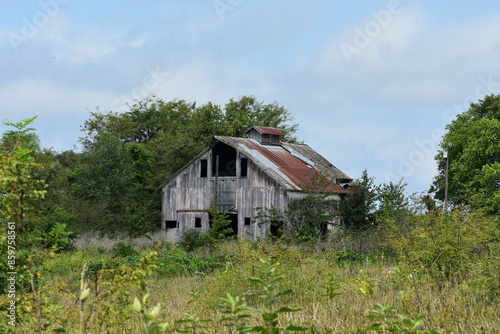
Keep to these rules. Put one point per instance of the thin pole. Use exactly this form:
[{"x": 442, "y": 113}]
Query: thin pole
[
  {"x": 446, "y": 179},
  {"x": 216, "y": 199}
]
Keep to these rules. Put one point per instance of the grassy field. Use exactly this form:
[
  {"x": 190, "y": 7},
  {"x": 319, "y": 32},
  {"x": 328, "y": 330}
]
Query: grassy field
[{"x": 333, "y": 290}]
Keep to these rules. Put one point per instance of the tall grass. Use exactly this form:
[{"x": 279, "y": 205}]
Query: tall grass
[{"x": 333, "y": 288}]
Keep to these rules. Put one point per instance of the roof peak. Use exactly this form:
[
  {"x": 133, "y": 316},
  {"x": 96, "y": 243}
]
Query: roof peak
[{"x": 266, "y": 130}]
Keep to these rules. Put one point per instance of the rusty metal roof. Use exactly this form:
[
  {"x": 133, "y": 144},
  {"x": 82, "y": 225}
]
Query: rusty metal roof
[
  {"x": 266, "y": 130},
  {"x": 294, "y": 166}
]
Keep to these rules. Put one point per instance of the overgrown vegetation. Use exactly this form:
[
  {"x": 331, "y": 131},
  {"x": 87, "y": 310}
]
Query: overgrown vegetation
[
  {"x": 473, "y": 148},
  {"x": 238, "y": 283},
  {"x": 398, "y": 264}
]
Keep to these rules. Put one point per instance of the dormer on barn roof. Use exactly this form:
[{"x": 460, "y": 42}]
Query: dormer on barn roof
[{"x": 265, "y": 135}]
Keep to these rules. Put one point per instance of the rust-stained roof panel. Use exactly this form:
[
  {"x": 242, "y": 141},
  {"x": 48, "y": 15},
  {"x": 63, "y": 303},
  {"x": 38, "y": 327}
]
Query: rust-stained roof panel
[
  {"x": 288, "y": 169},
  {"x": 320, "y": 162}
]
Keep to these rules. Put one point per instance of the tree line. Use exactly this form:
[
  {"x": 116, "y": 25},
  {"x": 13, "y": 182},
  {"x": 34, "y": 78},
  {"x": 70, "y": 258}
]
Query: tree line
[{"x": 111, "y": 185}]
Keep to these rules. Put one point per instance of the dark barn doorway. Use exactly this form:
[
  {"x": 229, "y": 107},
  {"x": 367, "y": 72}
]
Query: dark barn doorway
[{"x": 234, "y": 223}]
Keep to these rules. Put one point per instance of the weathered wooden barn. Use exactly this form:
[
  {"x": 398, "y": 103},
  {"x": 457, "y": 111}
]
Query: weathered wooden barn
[{"x": 238, "y": 175}]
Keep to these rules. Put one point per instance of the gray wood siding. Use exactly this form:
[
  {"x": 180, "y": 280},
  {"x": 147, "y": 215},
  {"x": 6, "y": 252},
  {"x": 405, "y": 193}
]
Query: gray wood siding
[
  {"x": 187, "y": 191},
  {"x": 258, "y": 190},
  {"x": 226, "y": 193},
  {"x": 187, "y": 195}
]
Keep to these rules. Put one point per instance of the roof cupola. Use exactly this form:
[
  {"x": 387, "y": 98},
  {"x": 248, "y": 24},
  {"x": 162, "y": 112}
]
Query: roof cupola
[{"x": 265, "y": 135}]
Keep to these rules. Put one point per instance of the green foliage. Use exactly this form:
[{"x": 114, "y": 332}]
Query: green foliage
[
  {"x": 176, "y": 261},
  {"x": 364, "y": 284},
  {"x": 234, "y": 316},
  {"x": 332, "y": 288},
  {"x": 389, "y": 321},
  {"x": 359, "y": 205},
  {"x": 219, "y": 226},
  {"x": 112, "y": 290},
  {"x": 219, "y": 230},
  {"x": 485, "y": 190},
  {"x": 247, "y": 111},
  {"x": 269, "y": 296},
  {"x": 192, "y": 239},
  {"x": 393, "y": 205},
  {"x": 58, "y": 205},
  {"x": 124, "y": 249},
  {"x": 18, "y": 189},
  {"x": 114, "y": 181},
  {"x": 148, "y": 317},
  {"x": 272, "y": 217},
  {"x": 307, "y": 218},
  {"x": 19, "y": 236},
  {"x": 58, "y": 237},
  {"x": 21, "y": 136},
  {"x": 191, "y": 324},
  {"x": 473, "y": 146},
  {"x": 447, "y": 246},
  {"x": 169, "y": 261}
]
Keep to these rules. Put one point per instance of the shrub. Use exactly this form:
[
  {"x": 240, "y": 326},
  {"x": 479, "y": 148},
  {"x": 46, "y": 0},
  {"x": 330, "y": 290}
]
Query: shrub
[
  {"x": 124, "y": 249},
  {"x": 449, "y": 245},
  {"x": 175, "y": 260},
  {"x": 191, "y": 239}
]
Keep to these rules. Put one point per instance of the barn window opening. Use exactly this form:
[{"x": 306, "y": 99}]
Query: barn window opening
[
  {"x": 203, "y": 168},
  {"x": 266, "y": 139},
  {"x": 197, "y": 222},
  {"x": 169, "y": 224},
  {"x": 247, "y": 221},
  {"x": 275, "y": 140},
  {"x": 244, "y": 167},
  {"x": 223, "y": 160}
]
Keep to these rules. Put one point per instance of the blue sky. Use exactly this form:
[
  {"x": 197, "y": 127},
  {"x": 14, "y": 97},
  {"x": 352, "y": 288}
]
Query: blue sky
[{"x": 371, "y": 83}]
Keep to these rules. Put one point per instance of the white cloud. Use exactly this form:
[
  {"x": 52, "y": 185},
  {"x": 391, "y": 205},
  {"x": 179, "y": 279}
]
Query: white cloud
[
  {"x": 139, "y": 41},
  {"x": 89, "y": 45},
  {"x": 41, "y": 97}
]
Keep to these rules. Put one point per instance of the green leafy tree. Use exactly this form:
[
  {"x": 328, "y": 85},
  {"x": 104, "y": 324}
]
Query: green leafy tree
[
  {"x": 359, "y": 205},
  {"x": 219, "y": 226},
  {"x": 247, "y": 111},
  {"x": 20, "y": 136},
  {"x": 393, "y": 204},
  {"x": 175, "y": 131},
  {"x": 113, "y": 180},
  {"x": 103, "y": 173},
  {"x": 142, "y": 123},
  {"x": 18, "y": 189},
  {"x": 25, "y": 243},
  {"x": 473, "y": 144}
]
